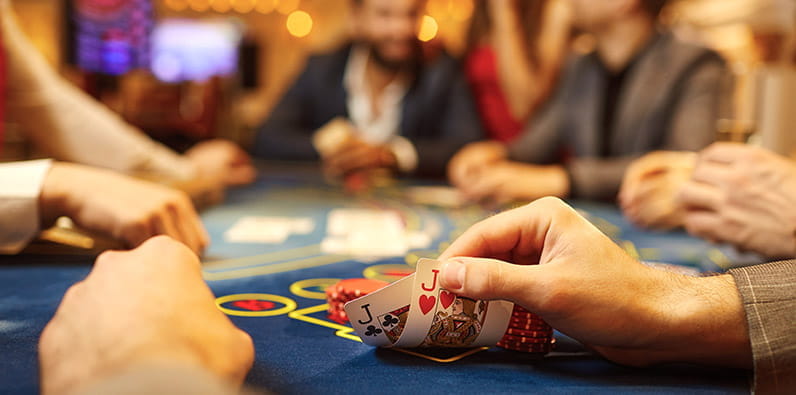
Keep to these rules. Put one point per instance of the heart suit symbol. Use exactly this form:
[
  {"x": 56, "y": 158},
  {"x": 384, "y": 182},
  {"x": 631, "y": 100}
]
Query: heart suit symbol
[
  {"x": 427, "y": 303},
  {"x": 446, "y": 298}
]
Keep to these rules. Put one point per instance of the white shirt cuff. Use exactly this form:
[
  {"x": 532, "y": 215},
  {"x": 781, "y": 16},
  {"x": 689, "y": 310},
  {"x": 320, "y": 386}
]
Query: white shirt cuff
[
  {"x": 405, "y": 154},
  {"x": 19, "y": 202}
]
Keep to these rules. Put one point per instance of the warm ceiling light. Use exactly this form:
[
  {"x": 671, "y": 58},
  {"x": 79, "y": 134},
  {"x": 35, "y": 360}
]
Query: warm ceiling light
[
  {"x": 177, "y": 5},
  {"x": 462, "y": 10},
  {"x": 244, "y": 6},
  {"x": 200, "y": 5},
  {"x": 299, "y": 24},
  {"x": 220, "y": 5},
  {"x": 266, "y": 6},
  {"x": 287, "y": 6},
  {"x": 428, "y": 28}
]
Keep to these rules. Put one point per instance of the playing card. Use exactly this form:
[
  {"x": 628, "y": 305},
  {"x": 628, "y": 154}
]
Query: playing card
[
  {"x": 370, "y": 233},
  {"x": 416, "y": 312},
  {"x": 379, "y": 317},
  {"x": 271, "y": 230},
  {"x": 447, "y": 197}
]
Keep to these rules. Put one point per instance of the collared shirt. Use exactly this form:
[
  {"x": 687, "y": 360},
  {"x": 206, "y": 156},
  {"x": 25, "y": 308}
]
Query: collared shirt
[
  {"x": 377, "y": 119},
  {"x": 20, "y": 185}
]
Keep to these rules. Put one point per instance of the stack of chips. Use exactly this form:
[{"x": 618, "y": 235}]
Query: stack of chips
[
  {"x": 344, "y": 291},
  {"x": 527, "y": 332}
]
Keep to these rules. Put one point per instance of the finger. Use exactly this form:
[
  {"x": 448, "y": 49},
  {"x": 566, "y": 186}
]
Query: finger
[
  {"x": 165, "y": 224},
  {"x": 700, "y": 196},
  {"x": 704, "y": 224},
  {"x": 480, "y": 187},
  {"x": 191, "y": 225},
  {"x": 490, "y": 279},
  {"x": 136, "y": 231},
  {"x": 712, "y": 173},
  {"x": 521, "y": 232},
  {"x": 723, "y": 152}
]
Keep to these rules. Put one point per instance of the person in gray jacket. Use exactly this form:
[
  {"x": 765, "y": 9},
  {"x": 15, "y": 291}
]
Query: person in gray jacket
[{"x": 640, "y": 90}]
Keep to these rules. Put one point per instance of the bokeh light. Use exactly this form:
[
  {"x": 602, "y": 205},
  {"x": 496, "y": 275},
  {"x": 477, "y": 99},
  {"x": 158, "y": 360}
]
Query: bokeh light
[
  {"x": 299, "y": 24},
  {"x": 428, "y": 28},
  {"x": 200, "y": 5},
  {"x": 220, "y": 5},
  {"x": 177, "y": 5},
  {"x": 266, "y": 6},
  {"x": 244, "y": 6},
  {"x": 285, "y": 7}
]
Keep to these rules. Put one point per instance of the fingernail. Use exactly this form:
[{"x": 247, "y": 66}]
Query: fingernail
[{"x": 453, "y": 274}]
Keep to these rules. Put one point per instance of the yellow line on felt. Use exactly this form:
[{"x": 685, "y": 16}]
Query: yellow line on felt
[
  {"x": 299, "y": 252},
  {"x": 275, "y": 268},
  {"x": 342, "y": 330}
]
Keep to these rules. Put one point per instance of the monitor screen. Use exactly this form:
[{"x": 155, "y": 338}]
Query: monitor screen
[
  {"x": 111, "y": 36},
  {"x": 195, "y": 50}
]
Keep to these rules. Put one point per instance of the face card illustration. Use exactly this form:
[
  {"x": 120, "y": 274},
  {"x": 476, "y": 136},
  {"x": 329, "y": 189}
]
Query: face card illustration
[
  {"x": 422, "y": 305},
  {"x": 439, "y": 318},
  {"x": 368, "y": 314},
  {"x": 393, "y": 323},
  {"x": 458, "y": 321}
]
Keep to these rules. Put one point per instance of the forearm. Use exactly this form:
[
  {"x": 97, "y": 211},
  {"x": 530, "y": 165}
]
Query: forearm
[
  {"x": 709, "y": 321},
  {"x": 68, "y": 125}
]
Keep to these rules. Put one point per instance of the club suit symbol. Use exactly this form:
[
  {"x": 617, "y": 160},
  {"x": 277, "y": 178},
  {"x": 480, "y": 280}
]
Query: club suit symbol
[
  {"x": 372, "y": 330},
  {"x": 389, "y": 320}
]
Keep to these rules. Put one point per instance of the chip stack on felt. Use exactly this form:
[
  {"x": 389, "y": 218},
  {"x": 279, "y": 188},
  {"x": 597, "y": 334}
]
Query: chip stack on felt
[
  {"x": 344, "y": 291},
  {"x": 527, "y": 332}
]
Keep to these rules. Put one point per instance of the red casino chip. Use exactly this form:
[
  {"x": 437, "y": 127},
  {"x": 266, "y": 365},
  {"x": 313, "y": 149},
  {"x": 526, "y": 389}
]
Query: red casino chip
[
  {"x": 530, "y": 333},
  {"x": 513, "y": 339},
  {"x": 538, "y": 325},
  {"x": 344, "y": 291}
]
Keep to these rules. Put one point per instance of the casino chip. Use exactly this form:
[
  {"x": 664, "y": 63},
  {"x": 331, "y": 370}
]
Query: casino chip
[
  {"x": 344, "y": 291},
  {"x": 527, "y": 332}
]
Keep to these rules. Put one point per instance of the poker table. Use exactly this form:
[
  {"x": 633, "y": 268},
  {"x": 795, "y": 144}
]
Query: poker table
[{"x": 275, "y": 292}]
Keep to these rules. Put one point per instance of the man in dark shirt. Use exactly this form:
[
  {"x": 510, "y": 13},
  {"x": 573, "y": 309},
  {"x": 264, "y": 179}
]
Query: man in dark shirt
[{"x": 378, "y": 102}]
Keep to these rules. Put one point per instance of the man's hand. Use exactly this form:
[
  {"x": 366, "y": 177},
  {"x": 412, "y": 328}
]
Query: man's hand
[
  {"x": 649, "y": 190},
  {"x": 504, "y": 182},
  {"x": 745, "y": 196},
  {"x": 146, "y": 307},
  {"x": 587, "y": 287},
  {"x": 355, "y": 155},
  {"x": 124, "y": 208},
  {"x": 222, "y": 161},
  {"x": 473, "y": 160}
]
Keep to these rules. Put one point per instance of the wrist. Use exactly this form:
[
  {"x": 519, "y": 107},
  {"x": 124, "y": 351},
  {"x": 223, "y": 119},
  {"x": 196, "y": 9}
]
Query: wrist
[
  {"x": 707, "y": 323},
  {"x": 54, "y": 195}
]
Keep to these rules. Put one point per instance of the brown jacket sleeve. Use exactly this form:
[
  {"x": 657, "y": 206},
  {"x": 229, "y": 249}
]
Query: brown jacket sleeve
[{"x": 769, "y": 297}]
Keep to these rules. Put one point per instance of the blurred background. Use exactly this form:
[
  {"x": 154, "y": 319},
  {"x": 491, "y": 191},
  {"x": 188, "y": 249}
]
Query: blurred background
[{"x": 186, "y": 70}]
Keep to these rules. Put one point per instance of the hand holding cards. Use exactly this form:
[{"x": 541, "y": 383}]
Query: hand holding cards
[{"x": 416, "y": 312}]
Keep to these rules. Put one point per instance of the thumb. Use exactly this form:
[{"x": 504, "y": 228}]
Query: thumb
[{"x": 482, "y": 278}]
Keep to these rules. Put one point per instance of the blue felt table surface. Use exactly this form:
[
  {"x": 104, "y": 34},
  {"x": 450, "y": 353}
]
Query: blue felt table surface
[{"x": 301, "y": 352}]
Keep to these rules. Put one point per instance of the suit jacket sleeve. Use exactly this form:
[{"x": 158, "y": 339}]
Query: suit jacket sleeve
[
  {"x": 769, "y": 297},
  {"x": 693, "y": 114},
  {"x": 287, "y": 133},
  {"x": 460, "y": 125}
]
